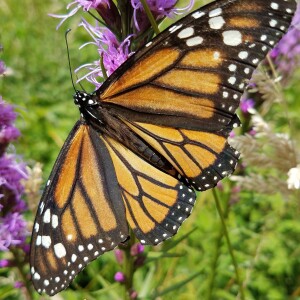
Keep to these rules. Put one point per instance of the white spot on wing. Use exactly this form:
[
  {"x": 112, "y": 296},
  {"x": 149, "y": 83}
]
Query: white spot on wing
[
  {"x": 214, "y": 13},
  {"x": 175, "y": 28},
  {"x": 232, "y": 67},
  {"x": 216, "y": 22},
  {"x": 47, "y": 215},
  {"x": 273, "y": 23},
  {"x": 60, "y": 250},
  {"x": 232, "y": 80},
  {"x": 194, "y": 41},
  {"x": 38, "y": 240},
  {"x": 185, "y": 33},
  {"x": 274, "y": 5},
  {"x": 54, "y": 221},
  {"x": 243, "y": 54},
  {"x": 198, "y": 14},
  {"x": 232, "y": 37},
  {"x": 36, "y": 227},
  {"x": 46, "y": 241},
  {"x": 73, "y": 257},
  {"x": 216, "y": 55}
]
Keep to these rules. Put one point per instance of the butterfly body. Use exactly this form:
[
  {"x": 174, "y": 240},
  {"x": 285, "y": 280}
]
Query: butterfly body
[
  {"x": 104, "y": 122},
  {"x": 154, "y": 133}
]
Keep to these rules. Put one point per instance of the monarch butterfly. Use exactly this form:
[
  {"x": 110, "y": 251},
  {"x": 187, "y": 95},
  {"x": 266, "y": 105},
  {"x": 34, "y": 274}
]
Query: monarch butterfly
[{"x": 151, "y": 135}]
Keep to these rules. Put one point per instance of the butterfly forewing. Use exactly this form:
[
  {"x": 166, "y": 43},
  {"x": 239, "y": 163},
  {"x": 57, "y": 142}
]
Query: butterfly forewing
[
  {"x": 81, "y": 214},
  {"x": 195, "y": 71}
]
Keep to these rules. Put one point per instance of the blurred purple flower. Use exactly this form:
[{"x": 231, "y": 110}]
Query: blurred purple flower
[
  {"x": 136, "y": 249},
  {"x": 119, "y": 256},
  {"x": 13, "y": 231},
  {"x": 246, "y": 105},
  {"x": 4, "y": 263},
  {"x": 18, "y": 284},
  {"x": 11, "y": 188},
  {"x": 12, "y": 225},
  {"x": 252, "y": 132},
  {"x": 133, "y": 295},
  {"x": 119, "y": 277},
  {"x": 110, "y": 49},
  {"x": 8, "y": 132},
  {"x": 2, "y": 67},
  {"x": 159, "y": 9},
  {"x": 286, "y": 54}
]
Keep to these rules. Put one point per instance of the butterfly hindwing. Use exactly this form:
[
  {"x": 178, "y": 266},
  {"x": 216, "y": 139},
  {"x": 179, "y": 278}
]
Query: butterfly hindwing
[
  {"x": 156, "y": 203},
  {"x": 81, "y": 214},
  {"x": 203, "y": 158}
]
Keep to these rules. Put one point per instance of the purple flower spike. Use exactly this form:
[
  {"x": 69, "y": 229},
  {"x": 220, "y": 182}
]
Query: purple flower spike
[
  {"x": 8, "y": 132},
  {"x": 286, "y": 54},
  {"x": 110, "y": 49},
  {"x": 119, "y": 277},
  {"x": 13, "y": 231}
]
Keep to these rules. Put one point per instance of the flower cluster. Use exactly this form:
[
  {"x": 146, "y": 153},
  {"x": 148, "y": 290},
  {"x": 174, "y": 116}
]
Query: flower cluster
[
  {"x": 12, "y": 224},
  {"x": 136, "y": 253},
  {"x": 114, "y": 40},
  {"x": 13, "y": 230},
  {"x": 286, "y": 55}
]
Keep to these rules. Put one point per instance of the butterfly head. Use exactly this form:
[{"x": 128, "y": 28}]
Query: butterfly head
[{"x": 82, "y": 99}]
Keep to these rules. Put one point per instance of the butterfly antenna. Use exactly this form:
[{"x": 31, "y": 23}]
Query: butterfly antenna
[{"x": 69, "y": 60}]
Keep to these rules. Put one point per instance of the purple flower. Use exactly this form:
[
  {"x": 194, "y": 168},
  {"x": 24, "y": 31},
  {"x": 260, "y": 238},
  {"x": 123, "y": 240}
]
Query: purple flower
[
  {"x": 2, "y": 67},
  {"x": 119, "y": 277},
  {"x": 8, "y": 132},
  {"x": 136, "y": 249},
  {"x": 119, "y": 256},
  {"x": 286, "y": 54},
  {"x": 12, "y": 225},
  {"x": 159, "y": 9},
  {"x": 4, "y": 263},
  {"x": 133, "y": 295},
  {"x": 13, "y": 231},
  {"x": 246, "y": 105},
  {"x": 18, "y": 284},
  {"x": 110, "y": 49},
  {"x": 11, "y": 188}
]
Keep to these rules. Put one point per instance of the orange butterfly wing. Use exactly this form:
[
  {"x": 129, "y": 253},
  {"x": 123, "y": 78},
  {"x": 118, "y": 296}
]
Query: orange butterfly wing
[
  {"x": 81, "y": 214},
  {"x": 193, "y": 74},
  {"x": 96, "y": 187}
]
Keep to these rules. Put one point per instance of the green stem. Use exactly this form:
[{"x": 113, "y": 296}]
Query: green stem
[
  {"x": 19, "y": 261},
  {"x": 126, "y": 14},
  {"x": 150, "y": 16},
  {"x": 128, "y": 267},
  {"x": 230, "y": 248},
  {"x": 213, "y": 268}
]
